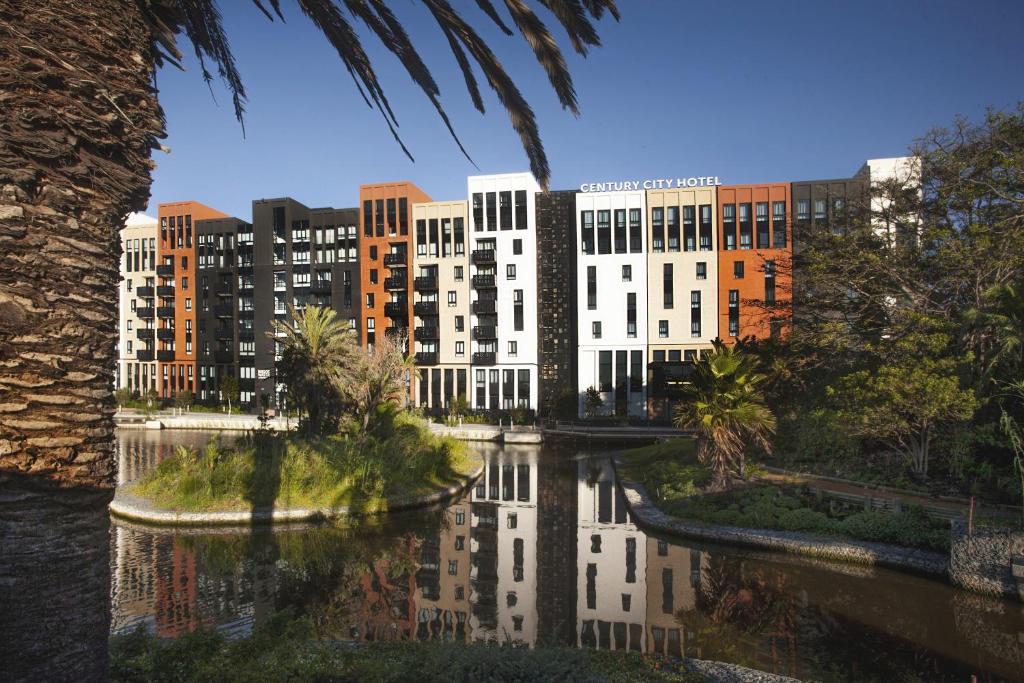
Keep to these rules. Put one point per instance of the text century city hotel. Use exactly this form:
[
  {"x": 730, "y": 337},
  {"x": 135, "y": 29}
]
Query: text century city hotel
[{"x": 508, "y": 298}]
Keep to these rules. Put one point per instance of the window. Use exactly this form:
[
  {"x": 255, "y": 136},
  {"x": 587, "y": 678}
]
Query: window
[
  {"x": 595, "y": 329},
  {"x": 460, "y": 236},
  {"x": 761, "y": 210},
  {"x": 517, "y": 247},
  {"x": 458, "y": 274},
  {"x": 689, "y": 229},
  {"x": 521, "y": 210},
  {"x": 702, "y": 270},
  {"x": 635, "y": 232},
  {"x": 460, "y": 348},
  {"x": 373, "y": 276},
  {"x": 673, "y": 228},
  {"x": 517, "y": 309},
  {"x": 188, "y": 349},
  {"x": 453, "y": 299},
  {"x": 779, "y": 224},
  {"x": 769, "y": 282},
  {"x": 184, "y": 283},
  {"x": 667, "y": 285},
  {"x": 460, "y": 323},
  {"x": 695, "y": 313},
  {"x": 729, "y": 226},
  {"x": 737, "y": 269},
  {"x": 706, "y": 231},
  {"x": 746, "y": 227},
  {"x": 129, "y": 346},
  {"x": 620, "y": 231},
  {"x": 803, "y": 209},
  {"x": 734, "y": 312},
  {"x": 492, "y": 211},
  {"x": 373, "y": 252},
  {"x": 591, "y": 287},
  {"x": 663, "y": 328},
  {"x": 636, "y": 370},
  {"x": 587, "y": 228},
  {"x": 478, "y": 211},
  {"x": 604, "y": 232},
  {"x": 369, "y": 300},
  {"x": 631, "y": 315},
  {"x": 188, "y": 304},
  {"x": 627, "y": 273},
  {"x": 513, "y": 348},
  {"x": 510, "y": 271},
  {"x": 505, "y": 209},
  {"x": 657, "y": 229},
  {"x": 819, "y": 210}
]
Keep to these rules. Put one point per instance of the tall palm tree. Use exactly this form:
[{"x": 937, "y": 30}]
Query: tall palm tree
[
  {"x": 316, "y": 350},
  {"x": 724, "y": 403},
  {"x": 79, "y": 118}
]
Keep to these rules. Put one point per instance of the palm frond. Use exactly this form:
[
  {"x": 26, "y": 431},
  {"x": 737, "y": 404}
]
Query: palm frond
[
  {"x": 572, "y": 15},
  {"x": 546, "y": 50},
  {"x": 489, "y": 10},
  {"x": 201, "y": 22}
]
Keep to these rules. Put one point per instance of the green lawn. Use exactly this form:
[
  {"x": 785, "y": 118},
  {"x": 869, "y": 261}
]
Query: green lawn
[
  {"x": 674, "y": 478},
  {"x": 283, "y": 651},
  {"x": 285, "y": 470}
]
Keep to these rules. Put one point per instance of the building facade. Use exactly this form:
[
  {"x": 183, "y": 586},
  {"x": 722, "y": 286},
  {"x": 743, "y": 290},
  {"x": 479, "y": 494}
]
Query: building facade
[{"x": 136, "y": 366}]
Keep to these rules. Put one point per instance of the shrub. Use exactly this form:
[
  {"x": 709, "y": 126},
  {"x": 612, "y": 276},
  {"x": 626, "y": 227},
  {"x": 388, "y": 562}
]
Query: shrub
[{"x": 805, "y": 519}]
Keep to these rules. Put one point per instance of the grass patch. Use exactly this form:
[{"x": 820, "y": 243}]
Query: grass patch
[
  {"x": 283, "y": 650},
  {"x": 674, "y": 478},
  {"x": 263, "y": 469}
]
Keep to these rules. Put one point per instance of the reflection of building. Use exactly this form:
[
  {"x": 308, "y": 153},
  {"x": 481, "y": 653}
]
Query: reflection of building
[
  {"x": 504, "y": 547},
  {"x": 176, "y": 605},
  {"x": 673, "y": 577},
  {"x": 612, "y": 564},
  {"x": 556, "y": 550},
  {"x": 442, "y": 581}
]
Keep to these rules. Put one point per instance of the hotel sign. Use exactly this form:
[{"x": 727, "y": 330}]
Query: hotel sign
[{"x": 651, "y": 184}]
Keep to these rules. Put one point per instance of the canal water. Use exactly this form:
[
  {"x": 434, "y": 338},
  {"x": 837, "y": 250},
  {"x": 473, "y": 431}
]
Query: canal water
[{"x": 543, "y": 551}]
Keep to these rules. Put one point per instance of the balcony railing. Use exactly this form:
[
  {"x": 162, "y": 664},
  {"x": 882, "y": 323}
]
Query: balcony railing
[
  {"x": 165, "y": 271},
  {"x": 144, "y": 355},
  {"x": 165, "y": 312},
  {"x": 396, "y": 259},
  {"x": 484, "y": 358},
  {"x": 393, "y": 309},
  {"x": 424, "y": 332},
  {"x": 425, "y": 308},
  {"x": 425, "y": 284},
  {"x": 226, "y": 293},
  {"x": 144, "y": 333},
  {"x": 165, "y": 292},
  {"x": 395, "y": 283},
  {"x": 425, "y": 358},
  {"x": 145, "y": 292},
  {"x": 482, "y": 256},
  {"x": 485, "y": 332},
  {"x": 165, "y": 356},
  {"x": 224, "y": 357},
  {"x": 144, "y": 312},
  {"x": 224, "y": 311},
  {"x": 484, "y": 282},
  {"x": 321, "y": 286},
  {"x": 165, "y": 334},
  {"x": 484, "y": 306}
]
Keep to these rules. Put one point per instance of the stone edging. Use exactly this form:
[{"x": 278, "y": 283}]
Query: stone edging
[
  {"x": 136, "y": 509},
  {"x": 814, "y": 545}
]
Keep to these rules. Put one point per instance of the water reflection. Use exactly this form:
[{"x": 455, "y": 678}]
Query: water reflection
[{"x": 544, "y": 551}]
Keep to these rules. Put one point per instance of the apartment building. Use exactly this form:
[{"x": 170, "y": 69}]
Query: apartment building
[
  {"x": 385, "y": 246},
  {"x": 754, "y": 261},
  {"x": 176, "y": 295},
  {"x": 442, "y": 580},
  {"x": 612, "y": 300},
  {"x": 441, "y": 308},
  {"x": 136, "y": 366},
  {"x": 295, "y": 256},
  {"x": 503, "y": 264}
]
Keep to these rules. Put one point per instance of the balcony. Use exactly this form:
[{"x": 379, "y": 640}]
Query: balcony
[
  {"x": 165, "y": 356},
  {"x": 484, "y": 282},
  {"x": 144, "y": 355},
  {"x": 484, "y": 358},
  {"x": 165, "y": 271},
  {"x": 145, "y": 334},
  {"x": 485, "y": 307},
  {"x": 485, "y": 332},
  {"x": 396, "y": 309},
  {"x": 246, "y": 335},
  {"x": 223, "y": 357},
  {"x": 396, "y": 259},
  {"x": 425, "y": 308},
  {"x": 145, "y": 292},
  {"x": 395, "y": 283},
  {"x": 165, "y": 292},
  {"x": 425, "y": 358},
  {"x": 482, "y": 256},
  {"x": 165, "y": 312},
  {"x": 397, "y": 331},
  {"x": 224, "y": 333},
  {"x": 165, "y": 334},
  {"x": 144, "y": 312},
  {"x": 224, "y": 311},
  {"x": 427, "y": 333},
  {"x": 425, "y": 284},
  {"x": 226, "y": 293},
  {"x": 321, "y": 286}
]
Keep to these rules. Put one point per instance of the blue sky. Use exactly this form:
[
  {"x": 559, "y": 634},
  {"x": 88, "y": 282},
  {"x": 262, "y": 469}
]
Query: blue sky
[{"x": 747, "y": 91}]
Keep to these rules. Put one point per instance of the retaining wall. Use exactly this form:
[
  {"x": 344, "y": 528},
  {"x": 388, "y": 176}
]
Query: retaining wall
[{"x": 984, "y": 561}]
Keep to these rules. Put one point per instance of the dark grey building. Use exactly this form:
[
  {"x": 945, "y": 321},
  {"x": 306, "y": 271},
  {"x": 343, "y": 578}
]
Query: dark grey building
[
  {"x": 827, "y": 204},
  {"x": 556, "y": 302},
  {"x": 299, "y": 256}
]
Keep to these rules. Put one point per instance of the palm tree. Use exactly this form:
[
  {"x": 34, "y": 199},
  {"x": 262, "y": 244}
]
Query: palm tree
[
  {"x": 316, "y": 349},
  {"x": 79, "y": 119},
  {"x": 724, "y": 403},
  {"x": 376, "y": 377}
]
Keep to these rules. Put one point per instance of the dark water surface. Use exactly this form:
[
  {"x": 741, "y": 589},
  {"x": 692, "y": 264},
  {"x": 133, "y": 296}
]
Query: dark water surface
[{"x": 543, "y": 551}]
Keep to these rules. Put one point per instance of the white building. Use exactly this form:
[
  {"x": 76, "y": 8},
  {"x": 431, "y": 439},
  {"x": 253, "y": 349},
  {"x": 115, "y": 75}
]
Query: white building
[
  {"x": 611, "y": 300},
  {"x": 503, "y": 263},
  {"x": 136, "y": 364}
]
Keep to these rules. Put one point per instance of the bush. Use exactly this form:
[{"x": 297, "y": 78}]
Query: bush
[{"x": 805, "y": 519}]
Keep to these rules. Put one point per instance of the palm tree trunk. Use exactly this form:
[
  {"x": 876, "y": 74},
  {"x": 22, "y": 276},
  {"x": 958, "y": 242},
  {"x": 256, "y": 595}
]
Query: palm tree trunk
[{"x": 78, "y": 120}]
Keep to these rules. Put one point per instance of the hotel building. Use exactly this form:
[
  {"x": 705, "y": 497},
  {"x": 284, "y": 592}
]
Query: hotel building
[
  {"x": 136, "y": 367},
  {"x": 442, "y": 304},
  {"x": 612, "y": 300},
  {"x": 503, "y": 266}
]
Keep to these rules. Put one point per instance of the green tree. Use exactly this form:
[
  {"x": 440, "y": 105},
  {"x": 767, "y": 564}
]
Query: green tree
[
  {"x": 229, "y": 390},
  {"x": 375, "y": 376},
  {"x": 724, "y": 403},
  {"x": 317, "y": 353},
  {"x": 1015, "y": 434},
  {"x": 122, "y": 396},
  {"x": 183, "y": 400},
  {"x": 592, "y": 402},
  {"x": 909, "y": 397}
]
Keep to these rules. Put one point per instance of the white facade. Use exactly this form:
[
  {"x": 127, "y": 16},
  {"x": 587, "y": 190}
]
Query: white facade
[
  {"x": 502, "y": 220},
  {"x": 137, "y": 269},
  {"x": 611, "y": 298},
  {"x": 904, "y": 170},
  {"x": 611, "y": 576}
]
